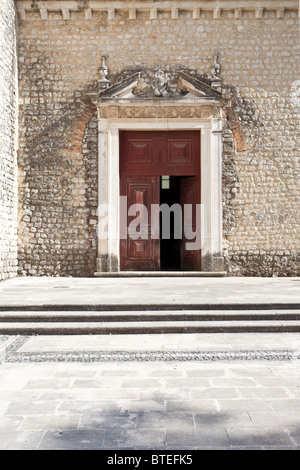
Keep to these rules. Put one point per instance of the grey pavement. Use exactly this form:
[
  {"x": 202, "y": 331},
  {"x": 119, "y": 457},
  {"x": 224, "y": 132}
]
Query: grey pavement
[
  {"x": 71, "y": 401},
  {"x": 161, "y": 391},
  {"x": 126, "y": 291}
]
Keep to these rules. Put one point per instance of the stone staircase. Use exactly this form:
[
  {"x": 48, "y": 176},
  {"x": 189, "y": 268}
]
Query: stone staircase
[{"x": 149, "y": 319}]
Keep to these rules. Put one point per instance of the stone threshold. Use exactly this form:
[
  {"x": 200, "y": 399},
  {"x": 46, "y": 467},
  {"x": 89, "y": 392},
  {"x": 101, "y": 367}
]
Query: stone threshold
[{"x": 161, "y": 274}]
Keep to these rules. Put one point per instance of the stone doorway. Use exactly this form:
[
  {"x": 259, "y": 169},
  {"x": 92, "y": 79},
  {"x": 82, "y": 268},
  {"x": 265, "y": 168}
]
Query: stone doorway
[
  {"x": 159, "y": 177},
  {"x": 199, "y": 110}
]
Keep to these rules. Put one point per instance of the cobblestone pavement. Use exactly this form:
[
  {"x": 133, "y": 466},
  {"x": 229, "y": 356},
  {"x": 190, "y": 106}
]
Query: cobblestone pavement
[{"x": 74, "y": 399}]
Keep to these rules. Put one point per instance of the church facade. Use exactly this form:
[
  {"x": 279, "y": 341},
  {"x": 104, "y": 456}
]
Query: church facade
[{"x": 112, "y": 109}]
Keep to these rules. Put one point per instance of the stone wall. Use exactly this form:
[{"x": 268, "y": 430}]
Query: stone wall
[
  {"x": 8, "y": 141},
  {"x": 58, "y": 73}
]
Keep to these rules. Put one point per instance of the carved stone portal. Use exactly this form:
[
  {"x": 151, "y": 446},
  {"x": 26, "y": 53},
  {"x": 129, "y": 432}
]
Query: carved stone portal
[{"x": 138, "y": 103}]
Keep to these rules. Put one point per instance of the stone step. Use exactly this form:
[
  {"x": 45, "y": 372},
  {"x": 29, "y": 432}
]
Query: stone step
[
  {"x": 146, "y": 274},
  {"x": 146, "y": 327},
  {"x": 149, "y": 316},
  {"x": 142, "y": 307}
]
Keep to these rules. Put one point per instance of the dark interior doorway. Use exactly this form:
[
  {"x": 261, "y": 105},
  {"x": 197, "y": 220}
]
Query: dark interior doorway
[{"x": 170, "y": 248}]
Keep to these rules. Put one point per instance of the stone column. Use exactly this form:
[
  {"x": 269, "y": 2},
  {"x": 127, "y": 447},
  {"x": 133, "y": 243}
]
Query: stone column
[
  {"x": 108, "y": 197},
  {"x": 211, "y": 196},
  {"x": 217, "y": 261},
  {"x": 113, "y": 200},
  {"x": 102, "y": 192}
]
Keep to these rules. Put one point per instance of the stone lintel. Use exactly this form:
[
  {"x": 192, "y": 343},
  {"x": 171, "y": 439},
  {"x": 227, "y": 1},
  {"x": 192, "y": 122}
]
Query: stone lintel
[
  {"x": 159, "y": 102},
  {"x": 130, "y": 109}
]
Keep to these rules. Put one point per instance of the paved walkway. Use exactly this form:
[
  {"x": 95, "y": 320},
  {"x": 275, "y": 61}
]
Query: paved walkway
[
  {"x": 116, "y": 291},
  {"x": 60, "y": 399},
  {"x": 157, "y": 392}
]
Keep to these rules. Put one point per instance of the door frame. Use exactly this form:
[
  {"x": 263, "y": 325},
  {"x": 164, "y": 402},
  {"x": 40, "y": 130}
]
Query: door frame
[{"x": 210, "y": 128}]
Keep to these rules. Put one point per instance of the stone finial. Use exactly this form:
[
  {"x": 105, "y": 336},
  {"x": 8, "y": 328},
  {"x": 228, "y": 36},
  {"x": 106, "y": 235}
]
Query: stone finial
[
  {"x": 103, "y": 72},
  {"x": 216, "y": 67},
  {"x": 216, "y": 70}
]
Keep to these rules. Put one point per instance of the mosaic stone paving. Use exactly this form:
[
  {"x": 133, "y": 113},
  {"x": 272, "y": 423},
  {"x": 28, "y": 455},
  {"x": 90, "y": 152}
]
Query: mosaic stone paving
[{"x": 10, "y": 346}]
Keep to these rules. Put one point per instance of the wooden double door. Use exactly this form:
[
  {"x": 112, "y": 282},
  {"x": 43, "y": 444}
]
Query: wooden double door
[{"x": 159, "y": 170}]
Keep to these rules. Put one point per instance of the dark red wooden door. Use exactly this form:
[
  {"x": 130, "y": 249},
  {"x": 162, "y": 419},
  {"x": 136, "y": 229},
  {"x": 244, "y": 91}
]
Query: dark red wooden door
[
  {"x": 145, "y": 156},
  {"x": 190, "y": 205},
  {"x": 139, "y": 251},
  {"x": 160, "y": 153}
]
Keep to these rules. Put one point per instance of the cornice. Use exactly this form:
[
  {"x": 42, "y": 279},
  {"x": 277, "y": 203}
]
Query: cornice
[{"x": 174, "y": 7}]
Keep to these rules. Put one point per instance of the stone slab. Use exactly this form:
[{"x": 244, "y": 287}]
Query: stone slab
[
  {"x": 96, "y": 413},
  {"x": 161, "y": 342},
  {"x": 41, "y": 291}
]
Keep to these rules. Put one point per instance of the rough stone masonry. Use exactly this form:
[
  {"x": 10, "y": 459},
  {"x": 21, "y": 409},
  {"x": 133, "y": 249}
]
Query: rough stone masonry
[
  {"x": 60, "y": 45},
  {"x": 8, "y": 140}
]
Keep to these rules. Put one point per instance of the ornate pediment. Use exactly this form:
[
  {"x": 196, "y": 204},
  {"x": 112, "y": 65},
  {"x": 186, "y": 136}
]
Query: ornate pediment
[
  {"x": 196, "y": 87},
  {"x": 157, "y": 85},
  {"x": 123, "y": 89}
]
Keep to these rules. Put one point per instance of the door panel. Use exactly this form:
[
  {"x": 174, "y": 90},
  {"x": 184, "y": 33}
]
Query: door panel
[
  {"x": 140, "y": 152},
  {"x": 142, "y": 253},
  {"x": 190, "y": 195},
  {"x": 160, "y": 153},
  {"x": 180, "y": 152}
]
